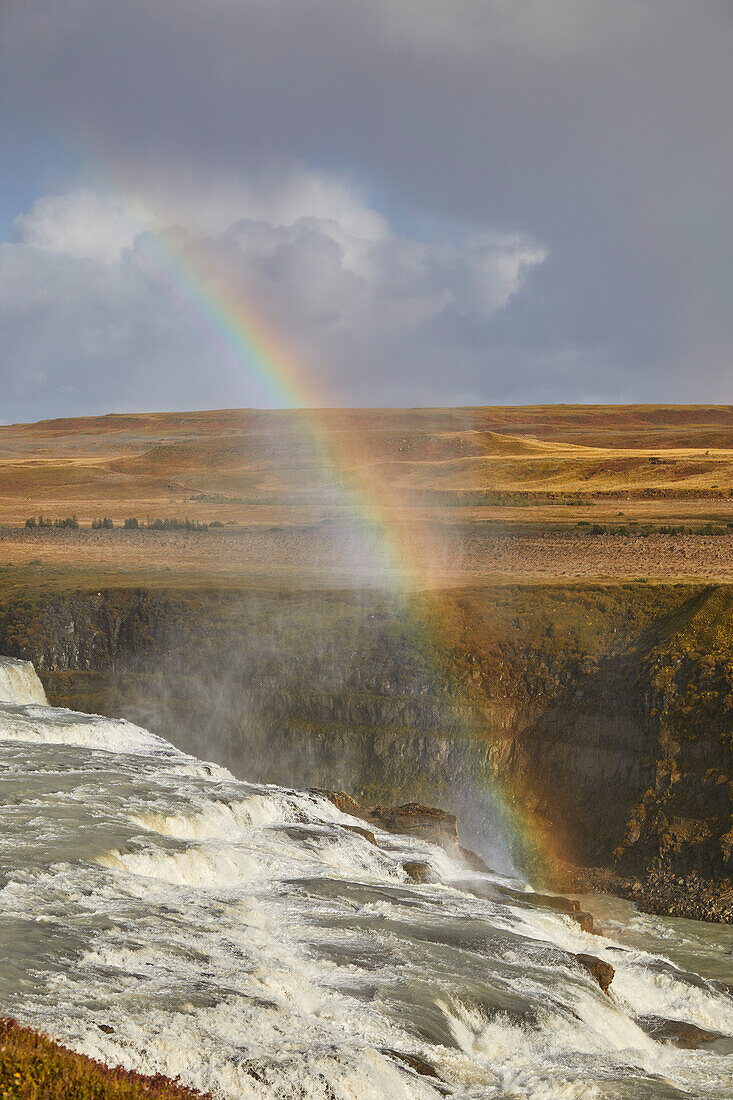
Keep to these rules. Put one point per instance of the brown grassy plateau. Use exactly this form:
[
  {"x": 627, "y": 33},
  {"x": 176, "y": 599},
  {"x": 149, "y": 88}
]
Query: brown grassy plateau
[{"x": 474, "y": 492}]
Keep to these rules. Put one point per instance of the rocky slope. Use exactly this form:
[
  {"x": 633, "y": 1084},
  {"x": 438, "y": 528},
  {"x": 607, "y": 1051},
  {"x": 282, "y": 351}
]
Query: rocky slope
[{"x": 591, "y": 723}]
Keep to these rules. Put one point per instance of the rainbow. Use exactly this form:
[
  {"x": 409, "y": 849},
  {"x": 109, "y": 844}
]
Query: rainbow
[
  {"x": 275, "y": 367},
  {"x": 227, "y": 312},
  {"x": 403, "y": 544}
]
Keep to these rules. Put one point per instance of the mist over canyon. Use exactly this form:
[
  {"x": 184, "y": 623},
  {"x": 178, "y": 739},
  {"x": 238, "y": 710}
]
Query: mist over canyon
[{"x": 422, "y": 794}]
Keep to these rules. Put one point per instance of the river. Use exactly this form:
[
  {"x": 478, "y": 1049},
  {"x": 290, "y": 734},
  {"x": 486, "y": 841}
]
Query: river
[{"x": 158, "y": 913}]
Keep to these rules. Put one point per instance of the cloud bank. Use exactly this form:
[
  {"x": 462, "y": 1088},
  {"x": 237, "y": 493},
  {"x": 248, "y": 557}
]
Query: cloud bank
[
  {"x": 84, "y": 298},
  {"x": 431, "y": 201}
]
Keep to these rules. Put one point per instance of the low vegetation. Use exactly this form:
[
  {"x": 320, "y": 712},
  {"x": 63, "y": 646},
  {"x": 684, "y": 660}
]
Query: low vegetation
[
  {"x": 44, "y": 522},
  {"x": 176, "y": 525},
  {"x": 130, "y": 524},
  {"x": 33, "y": 1067},
  {"x": 643, "y": 530}
]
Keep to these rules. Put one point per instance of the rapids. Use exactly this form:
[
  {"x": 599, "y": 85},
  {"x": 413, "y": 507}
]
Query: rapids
[{"x": 245, "y": 938}]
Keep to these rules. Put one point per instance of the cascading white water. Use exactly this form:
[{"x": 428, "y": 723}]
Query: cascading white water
[
  {"x": 19, "y": 682},
  {"x": 246, "y": 938}
]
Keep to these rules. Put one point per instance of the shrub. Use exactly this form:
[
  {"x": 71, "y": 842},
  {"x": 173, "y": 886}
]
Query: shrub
[
  {"x": 131, "y": 524},
  {"x": 713, "y": 529},
  {"x": 672, "y": 529},
  {"x": 211, "y": 498},
  {"x": 105, "y": 524},
  {"x": 173, "y": 524}
]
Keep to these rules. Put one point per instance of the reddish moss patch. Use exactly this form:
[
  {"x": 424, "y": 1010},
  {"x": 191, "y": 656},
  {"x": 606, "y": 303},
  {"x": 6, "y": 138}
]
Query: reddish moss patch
[{"x": 33, "y": 1067}]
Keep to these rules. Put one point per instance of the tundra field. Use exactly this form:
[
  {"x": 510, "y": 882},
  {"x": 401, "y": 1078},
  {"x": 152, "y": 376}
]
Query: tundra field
[{"x": 518, "y": 493}]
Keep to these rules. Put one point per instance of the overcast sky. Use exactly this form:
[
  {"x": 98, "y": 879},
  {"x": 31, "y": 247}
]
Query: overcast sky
[{"x": 429, "y": 202}]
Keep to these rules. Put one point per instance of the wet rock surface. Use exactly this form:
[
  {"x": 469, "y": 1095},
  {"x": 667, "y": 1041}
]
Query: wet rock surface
[
  {"x": 419, "y": 871},
  {"x": 421, "y": 1067},
  {"x": 679, "y": 1033},
  {"x": 366, "y": 833},
  {"x": 340, "y": 799},
  {"x": 414, "y": 819},
  {"x": 558, "y": 902},
  {"x": 660, "y": 891},
  {"x": 585, "y": 921},
  {"x": 601, "y": 971}
]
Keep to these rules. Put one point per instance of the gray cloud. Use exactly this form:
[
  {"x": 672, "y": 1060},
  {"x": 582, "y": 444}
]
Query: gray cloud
[
  {"x": 94, "y": 307},
  {"x": 596, "y": 134}
]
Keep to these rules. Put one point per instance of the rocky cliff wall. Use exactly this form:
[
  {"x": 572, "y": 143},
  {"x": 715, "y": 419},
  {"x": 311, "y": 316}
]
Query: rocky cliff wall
[{"x": 604, "y": 713}]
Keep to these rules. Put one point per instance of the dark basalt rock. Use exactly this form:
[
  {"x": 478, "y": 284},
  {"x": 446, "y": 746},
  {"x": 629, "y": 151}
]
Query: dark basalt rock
[
  {"x": 419, "y": 871},
  {"x": 553, "y": 901},
  {"x": 414, "y": 819},
  {"x": 679, "y": 1033},
  {"x": 472, "y": 859},
  {"x": 585, "y": 920},
  {"x": 415, "y": 1062},
  {"x": 366, "y": 833},
  {"x": 341, "y": 800},
  {"x": 602, "y": 971},
  {"x": 566, "y": 905}
]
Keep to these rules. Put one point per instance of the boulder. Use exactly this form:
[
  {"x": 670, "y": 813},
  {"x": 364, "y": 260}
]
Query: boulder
[
  {"x": 472, "y": 859},
  {"x": 555, "y": 901},
  {"x": 419, "y": 871},
  {"x": 414, "y": 819},
  {"x": 678, "y": 1033},
  {"x": 414, "y": 1061},
  {"x": 366, "y": 833},
  {"x": 341, "y": 800},
  {"x": 585, "y": 920},
  {"x": 602, "y": 971}
]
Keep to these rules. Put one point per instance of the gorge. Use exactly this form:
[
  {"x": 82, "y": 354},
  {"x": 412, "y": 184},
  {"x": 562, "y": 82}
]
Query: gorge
[
  {"x": 254, "y": 940},
  {"x": 602, "y": 712}
]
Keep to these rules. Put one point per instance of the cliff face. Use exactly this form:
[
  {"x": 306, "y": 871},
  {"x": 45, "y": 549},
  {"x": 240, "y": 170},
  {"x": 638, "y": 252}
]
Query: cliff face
[{"x": 605, "y": 714}]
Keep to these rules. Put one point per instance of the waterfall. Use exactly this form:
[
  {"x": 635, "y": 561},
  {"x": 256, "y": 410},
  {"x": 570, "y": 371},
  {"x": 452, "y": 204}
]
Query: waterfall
[
  {"x": 156, "y": 912},
  {"x": 19, "y": 682}
]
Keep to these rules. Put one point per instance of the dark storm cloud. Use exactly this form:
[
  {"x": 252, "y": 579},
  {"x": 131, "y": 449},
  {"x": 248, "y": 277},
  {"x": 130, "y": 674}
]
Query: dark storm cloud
[{"x": 590, "y": 144}]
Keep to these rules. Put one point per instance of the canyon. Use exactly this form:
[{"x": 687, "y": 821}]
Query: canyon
[
  {"x": 592, "y": 725},
  {"x": 521, "y": 615}
]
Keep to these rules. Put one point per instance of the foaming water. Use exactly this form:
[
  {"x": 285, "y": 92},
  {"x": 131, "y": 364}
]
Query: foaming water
[
  {"x": 247, "y": 939},
  {"x": 19, "y": 682}
]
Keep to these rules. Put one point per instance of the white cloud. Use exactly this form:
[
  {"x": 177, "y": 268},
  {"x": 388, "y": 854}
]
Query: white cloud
[
  {"x": 89, "y": 316},
  {"x": 87, "y": 224},
  {"x": 80, "y": 223},
  {"x": 497, "y": 267}
]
